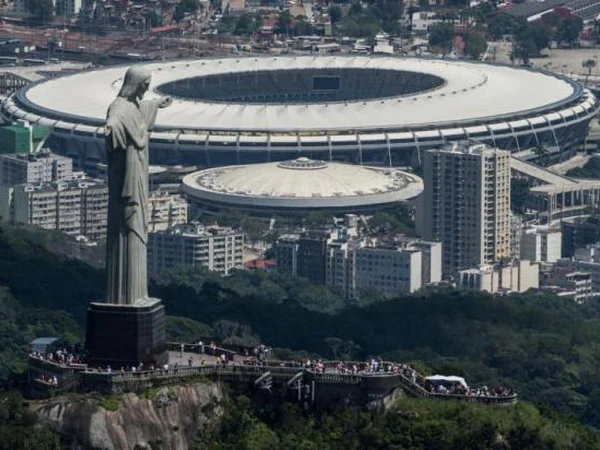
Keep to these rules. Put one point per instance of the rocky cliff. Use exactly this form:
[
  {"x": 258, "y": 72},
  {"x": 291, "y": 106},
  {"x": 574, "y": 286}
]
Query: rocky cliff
[{"x": 167, "y": 418}]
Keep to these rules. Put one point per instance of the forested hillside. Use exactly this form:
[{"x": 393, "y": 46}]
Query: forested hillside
[
  {"x": 411, "y": 425},
  {"x": 545, "y": 348}
]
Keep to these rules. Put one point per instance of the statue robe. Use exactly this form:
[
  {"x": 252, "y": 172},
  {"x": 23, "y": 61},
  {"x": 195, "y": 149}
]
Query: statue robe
[{"x": 127, "y": 127}]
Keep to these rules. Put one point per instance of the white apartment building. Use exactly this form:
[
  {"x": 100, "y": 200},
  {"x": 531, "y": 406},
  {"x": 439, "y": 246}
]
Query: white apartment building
[
  {"x": 431, "y": 261},
  {"x": 541, "y": 244},
  {"x": 166, "y": 210},
  {"x": 424, "y": 20},
  {"x": 514, "y": 276},
  {"x": 358, "y": 266},
  {"x": 573, "y": 285},
  {"x": 41, "y": 167},
  {"x": 75, "y": 207},
  {"x": 217, "y": 248},
  {"x": 390, "y": 271},
  {"x": 586, "y": 259},
  {"x": 340, "y": 269},
  {"x": 466, "y": 204}
]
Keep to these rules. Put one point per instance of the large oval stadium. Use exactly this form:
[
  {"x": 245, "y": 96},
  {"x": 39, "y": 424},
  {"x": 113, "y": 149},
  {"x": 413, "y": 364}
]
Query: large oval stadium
[{"x": 379, "y": 111}]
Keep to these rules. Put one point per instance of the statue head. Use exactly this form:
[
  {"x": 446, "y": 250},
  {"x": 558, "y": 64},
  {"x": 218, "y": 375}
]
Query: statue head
[{"x": 136, "y": 83}]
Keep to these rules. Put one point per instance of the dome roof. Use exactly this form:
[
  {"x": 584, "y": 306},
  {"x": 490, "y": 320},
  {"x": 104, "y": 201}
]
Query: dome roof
[{"x": 302, "y": 183}]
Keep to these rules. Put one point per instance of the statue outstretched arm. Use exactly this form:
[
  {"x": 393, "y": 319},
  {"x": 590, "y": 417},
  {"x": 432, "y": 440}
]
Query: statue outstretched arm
[{"x": 150, "y": 108}]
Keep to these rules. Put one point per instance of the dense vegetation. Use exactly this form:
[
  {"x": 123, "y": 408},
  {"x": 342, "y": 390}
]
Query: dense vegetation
[
  {"x": 18, "y": 429},
  {"x": 546, "y": 348},
  {"x": 411, "y": 424}
]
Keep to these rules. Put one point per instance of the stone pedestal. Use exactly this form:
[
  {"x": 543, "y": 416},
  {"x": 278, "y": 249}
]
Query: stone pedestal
[{"x": 125, "y": 335}]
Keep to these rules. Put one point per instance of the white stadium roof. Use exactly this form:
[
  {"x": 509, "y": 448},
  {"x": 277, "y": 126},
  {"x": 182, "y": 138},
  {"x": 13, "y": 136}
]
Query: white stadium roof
[
  {"x": 302, "y": 183},
  {"x": 471, "y": 92}
]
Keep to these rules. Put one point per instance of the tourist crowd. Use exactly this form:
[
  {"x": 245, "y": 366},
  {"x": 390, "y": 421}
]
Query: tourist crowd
[
  {"x": 258, "y": 356},
  {"x": 459, "y": 389},
  {"x": 66, "y": 356}
]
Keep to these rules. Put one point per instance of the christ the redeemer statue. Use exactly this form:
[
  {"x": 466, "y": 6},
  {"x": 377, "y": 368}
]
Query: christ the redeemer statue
[{"x": 128, "y": 123}]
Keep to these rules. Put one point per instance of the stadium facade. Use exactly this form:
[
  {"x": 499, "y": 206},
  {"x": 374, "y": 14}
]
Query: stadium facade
[{"x": 380, "y": 111}]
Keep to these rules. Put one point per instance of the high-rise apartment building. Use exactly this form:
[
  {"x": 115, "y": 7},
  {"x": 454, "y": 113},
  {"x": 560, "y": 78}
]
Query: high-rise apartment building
[
  {"x": 466, "y": 204},
  {"x": 41, "y": 167},
  {"x": 218, "y": 248}
]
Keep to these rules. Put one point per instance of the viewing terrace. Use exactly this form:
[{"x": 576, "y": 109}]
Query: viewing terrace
[{"x": 302, "y": 380}]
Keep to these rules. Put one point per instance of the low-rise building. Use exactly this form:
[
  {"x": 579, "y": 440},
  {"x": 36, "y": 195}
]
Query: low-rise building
[
  {"x": 286, "y": 253},
  {"x": 506, "y": 277},
  {"x": 75, "y": 207},
  {"x": 166, "y": 210},
  {"x": 424, "y": 20},
  {"x": 311, "y": 258},
  {"x": 388, "y": 270},
  {"x": 217, "y": 248},
  {"x": 573, "y": 285},
  {"x": 40, "y": 167},
  {"x": 541, "y": 244},
  {"x": 579, "y": 232},
  {"x": 354, "y": 266},
  {"x": 590, "y": 253}
]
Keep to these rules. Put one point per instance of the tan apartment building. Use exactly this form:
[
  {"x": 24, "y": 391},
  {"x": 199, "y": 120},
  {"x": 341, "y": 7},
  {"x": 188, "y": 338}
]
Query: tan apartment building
[{"x": 466, "y": 204}]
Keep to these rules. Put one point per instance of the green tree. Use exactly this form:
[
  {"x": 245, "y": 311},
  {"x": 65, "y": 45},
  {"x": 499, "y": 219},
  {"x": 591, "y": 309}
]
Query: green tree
[
  {"x": 335, "y": 344},
  {"x": 475, "y": 45},
  {"x": 284, "y": 23},
  {"x": 589, "y": 65},
  {"x": 40, "y": 9},
  {"x": 302, "y": 26},
  {"x": 356, "y": 8},
  {"x": 335, "y": 13},
  {"x": 524, "y": 50},
  {"x": 568, "y": 31},
  {"x": 186, "y": 7},
  {"x": 506, "y": 25},
  {"x": 441, "y": 36},
  {"x": 542, "y": 154},
  {"x": 247, "y": 24},
  {"x": 260, "y": 437},
  {"x": 154, "y": 19}
]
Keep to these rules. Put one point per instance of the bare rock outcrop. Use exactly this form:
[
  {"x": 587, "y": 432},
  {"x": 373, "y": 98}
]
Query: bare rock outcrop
[{"x": 167, "y": 418}]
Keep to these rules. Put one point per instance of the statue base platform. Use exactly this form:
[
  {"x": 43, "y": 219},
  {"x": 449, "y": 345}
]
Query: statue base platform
[{"x": 126, "y": 335}]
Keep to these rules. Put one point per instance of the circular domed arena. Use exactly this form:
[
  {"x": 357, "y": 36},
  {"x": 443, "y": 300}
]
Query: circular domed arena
[
  {"x": 298, "y": 186},
  {"x": 373, "y": 110}
]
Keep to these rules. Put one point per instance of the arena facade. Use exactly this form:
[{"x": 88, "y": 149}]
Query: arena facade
[{"x": 372, "y": 110}]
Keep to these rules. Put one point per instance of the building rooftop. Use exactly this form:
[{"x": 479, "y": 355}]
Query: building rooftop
[
  {"x": 53, "y": 186},
  {"x": 194, "y": 229},
  {"x": 301, "y": 183},
  {"x": 83, "y": 98}
]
